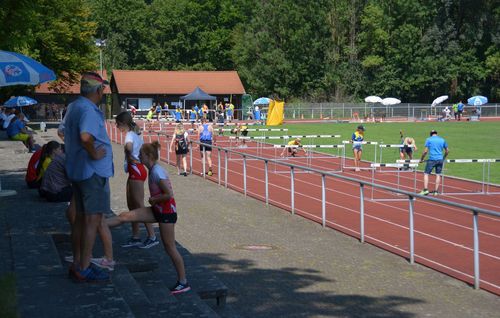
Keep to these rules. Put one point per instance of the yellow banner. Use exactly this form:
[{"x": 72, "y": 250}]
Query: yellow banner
[{"x": 275, "y": 113}]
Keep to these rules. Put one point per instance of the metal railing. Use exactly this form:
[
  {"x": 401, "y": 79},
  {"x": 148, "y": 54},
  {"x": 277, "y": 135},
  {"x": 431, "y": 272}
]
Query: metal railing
[{"x": 475, "y": 211}]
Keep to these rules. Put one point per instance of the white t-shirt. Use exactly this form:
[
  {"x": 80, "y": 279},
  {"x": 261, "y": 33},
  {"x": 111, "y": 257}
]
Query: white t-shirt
[
  {"x": 137, "y": 143},
  {"x": 7, "y": 121}
]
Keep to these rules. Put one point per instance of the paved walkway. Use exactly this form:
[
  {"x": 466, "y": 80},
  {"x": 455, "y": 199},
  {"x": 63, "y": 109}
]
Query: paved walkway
[{"x": 310, "y": 272}]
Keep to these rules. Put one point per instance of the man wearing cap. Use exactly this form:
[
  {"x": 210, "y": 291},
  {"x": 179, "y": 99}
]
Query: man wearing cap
[
  {"x": 89, "y": 165},
  {"x": 357, "y": 139},
  {"x": 434, "y": 145}
]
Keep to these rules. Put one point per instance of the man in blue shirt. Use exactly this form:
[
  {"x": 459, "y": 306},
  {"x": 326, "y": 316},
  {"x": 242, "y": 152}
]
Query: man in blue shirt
[
  {"x": 434, "y": 145},
  {"x": 89, "y": 164},
  {"x": 17, "y": 131},
  {"x": 460, "y": 108}
]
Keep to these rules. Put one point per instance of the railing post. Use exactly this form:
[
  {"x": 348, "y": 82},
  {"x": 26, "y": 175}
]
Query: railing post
[
  {"x": 292, "y": 189},
  {"x": 323, "y": 200},
  {"x": 225, "y": 168},
  {"x": 218, "y": 165},
  {"x": 245, "y": 175},
  {"x": 412, "y": 242},
  {"x": 476, "y": 249},
  {"x": 267, "y": 181},
  {"x": 361, "y": 212},
  {"x": 191, "y": 158},
  {"x": 204, "y": 162}
]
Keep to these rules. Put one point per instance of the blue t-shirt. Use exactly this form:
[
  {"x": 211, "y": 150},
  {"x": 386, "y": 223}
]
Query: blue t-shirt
[
  {"x": 436, "y": 145},
  {"x": 178, "y": 115},
  {"x": 460, "y": 106},
  {"x": 83, "y": 116},
  {"x": 205, "y": 134},
  {"x": 15, "y": 127}
]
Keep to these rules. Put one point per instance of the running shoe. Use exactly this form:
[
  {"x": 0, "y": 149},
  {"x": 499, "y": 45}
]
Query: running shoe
[
  {"x": 180, "y": 288},
  {"x": 150, "y": 242},
  {"x": 132, "y": 242},
  {"x": 424, "y": 192},
  {"x": 89, "y": 275},
  {"x": 210, "y": 173},
  {"x": 435, "y": 193},
  {"x": 103, "y": 262},
  {"x": 185, "y": 174}
]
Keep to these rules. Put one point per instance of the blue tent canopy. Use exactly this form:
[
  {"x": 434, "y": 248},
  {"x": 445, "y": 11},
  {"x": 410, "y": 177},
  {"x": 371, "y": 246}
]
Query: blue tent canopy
[{"x": 198, "y": 94}]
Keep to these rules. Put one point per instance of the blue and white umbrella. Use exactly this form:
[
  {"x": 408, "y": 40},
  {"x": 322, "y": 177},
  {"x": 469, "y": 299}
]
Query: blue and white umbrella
[
  {"x": 18, "y": 69},
  {"x": 262, "y": 101},
  {"x": 20, "y": 101},
  {"x": 477, "y": 100}
]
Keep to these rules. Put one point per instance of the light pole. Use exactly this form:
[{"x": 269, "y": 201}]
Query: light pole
[{"x": 100, "y": 43}]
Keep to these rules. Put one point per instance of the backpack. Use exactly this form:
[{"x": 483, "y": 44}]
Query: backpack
[{"x": 181, "y": 142}]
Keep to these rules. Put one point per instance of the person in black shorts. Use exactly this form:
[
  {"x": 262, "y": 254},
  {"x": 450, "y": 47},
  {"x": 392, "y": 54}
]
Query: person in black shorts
[{"x": 181, "y": 142}]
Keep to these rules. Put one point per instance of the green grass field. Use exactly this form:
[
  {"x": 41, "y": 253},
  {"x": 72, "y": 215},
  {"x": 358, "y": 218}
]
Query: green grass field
[{"x": 466, "y": 140}]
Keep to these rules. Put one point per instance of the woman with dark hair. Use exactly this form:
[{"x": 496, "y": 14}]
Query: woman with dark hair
[
  {"x": 137, "y": 175},
  {"x": 49, "y": 152}
]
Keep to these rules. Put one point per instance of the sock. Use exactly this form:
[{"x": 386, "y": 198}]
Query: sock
[
  {"x": 153, "y": 237},
  {"x": 183, "y": 282}
]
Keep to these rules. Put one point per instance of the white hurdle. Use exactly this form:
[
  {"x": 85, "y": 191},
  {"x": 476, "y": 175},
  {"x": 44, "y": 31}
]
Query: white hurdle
[
  {"x": 309, "y": 156},
  {"x": 399, "y": 166},
  {"x": 485, "y": 182},
  {"x": 382, "y": 146}
]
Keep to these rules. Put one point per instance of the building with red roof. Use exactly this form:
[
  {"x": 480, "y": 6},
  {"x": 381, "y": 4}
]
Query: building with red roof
[{"x": 141, "y": 89}]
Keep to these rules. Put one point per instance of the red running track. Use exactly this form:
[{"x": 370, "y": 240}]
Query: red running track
[{"x": 443, "y": 234}]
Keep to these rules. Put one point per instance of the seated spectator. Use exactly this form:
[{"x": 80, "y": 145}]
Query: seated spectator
[
  {"x": 3, "y": 116},
  {"x": 17, "y": 130},
  {"x": 31, "y": 177},
  {"x": 49, "y": 152},
  {"x": 55, "y": 186}
]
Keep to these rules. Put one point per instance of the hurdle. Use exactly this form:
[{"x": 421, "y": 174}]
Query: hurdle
[
  {"x": 382, "y": 146},
  {"x": 374, "y": 143},
  {"x": 485, "y": 181},
  {"x": 309, "y": 156},
  {"x": 398, "y": 170}
]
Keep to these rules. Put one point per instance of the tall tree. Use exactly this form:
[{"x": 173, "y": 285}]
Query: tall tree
[{"x": 58, "y": 33}]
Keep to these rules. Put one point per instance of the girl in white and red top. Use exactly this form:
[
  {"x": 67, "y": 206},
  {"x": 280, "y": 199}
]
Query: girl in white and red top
[
  {"x": 136, "y": 177},
  {"x": 162, "y": 211}
]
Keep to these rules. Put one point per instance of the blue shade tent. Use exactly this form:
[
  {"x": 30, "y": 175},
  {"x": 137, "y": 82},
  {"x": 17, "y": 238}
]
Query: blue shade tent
[
  {"x": 18, "y": 69},
  {"x": 20, "y": 101}
]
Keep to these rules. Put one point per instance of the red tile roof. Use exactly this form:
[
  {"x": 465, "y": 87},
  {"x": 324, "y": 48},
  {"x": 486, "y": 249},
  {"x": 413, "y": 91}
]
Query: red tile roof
[
  {"x": 72, "y": 89},
  {"x": 177, "y": 82}
]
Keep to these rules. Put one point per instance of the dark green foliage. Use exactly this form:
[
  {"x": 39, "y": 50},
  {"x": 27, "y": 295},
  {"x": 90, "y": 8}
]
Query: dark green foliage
[{"x": 323, "y": 50}]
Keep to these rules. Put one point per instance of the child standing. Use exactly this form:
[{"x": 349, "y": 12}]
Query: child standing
[
  {"x": 162, "y": 210},
  {"x": 136, "y": 177}
]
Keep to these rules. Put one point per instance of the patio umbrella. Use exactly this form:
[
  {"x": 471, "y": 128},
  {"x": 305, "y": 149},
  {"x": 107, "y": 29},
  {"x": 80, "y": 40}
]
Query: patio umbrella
[
  {"x": 20, "y": 101},
  {"x": 439, "y": 100},
  {"x": 390, "y": 101},
  {"x": 262, "y": 101},
  {"x": 18, "y": 69},
  {"x": 373, "y": 99},
  {"x": 477, "y": 100}
]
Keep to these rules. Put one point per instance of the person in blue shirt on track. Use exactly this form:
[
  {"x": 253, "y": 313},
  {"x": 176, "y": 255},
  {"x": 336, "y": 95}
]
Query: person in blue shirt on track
[
  {"x": 357, "y": 138},
  {"x": 207, "y": 138},
  {"x": 460, "y": 108},
  {"x": 434, "y": 145}
]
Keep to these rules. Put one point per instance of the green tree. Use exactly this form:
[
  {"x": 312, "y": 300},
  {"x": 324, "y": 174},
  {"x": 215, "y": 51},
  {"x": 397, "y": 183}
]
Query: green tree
[{"x": 58, "y": 33}]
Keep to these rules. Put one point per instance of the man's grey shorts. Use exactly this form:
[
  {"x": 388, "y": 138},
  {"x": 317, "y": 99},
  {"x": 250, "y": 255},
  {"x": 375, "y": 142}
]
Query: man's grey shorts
[{"x": 92, "y": 196}]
